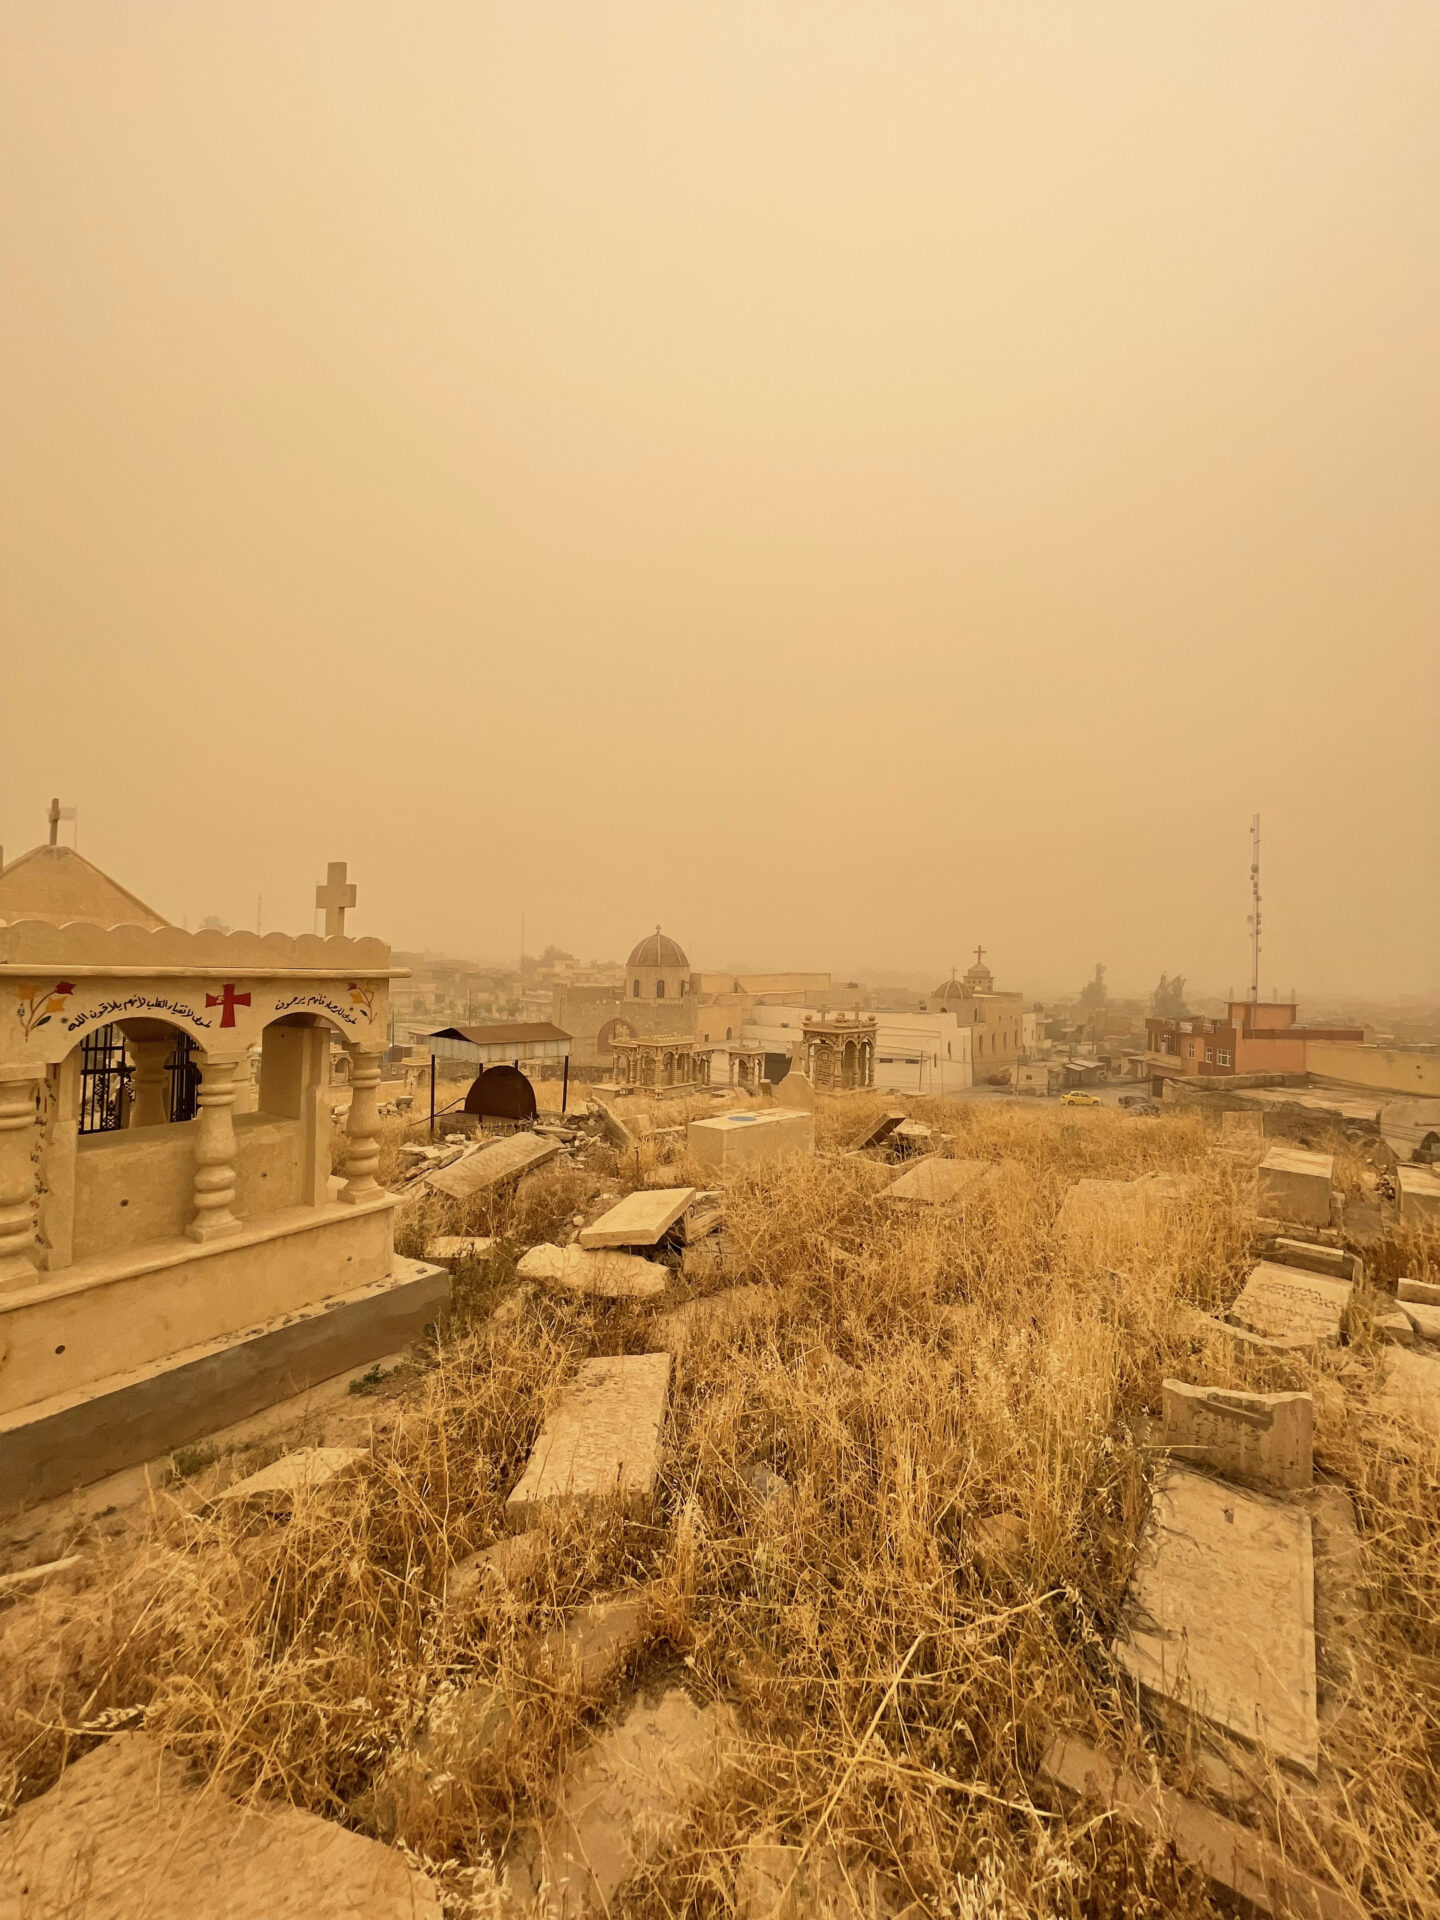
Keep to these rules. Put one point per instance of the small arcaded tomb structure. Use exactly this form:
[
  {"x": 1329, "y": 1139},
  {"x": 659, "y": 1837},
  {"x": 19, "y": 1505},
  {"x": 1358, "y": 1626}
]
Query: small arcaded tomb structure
[
  {"x": 1220, "y": 1613},
  {"x": 731, "y": 1140},
  {"x": 1266, "y": 1437},
  {"x": 1288, "y": 1303},
  {"x": 602, "y": 1441},
  {"x": 1294, "y": 1184},
  {"x": 641, "y": 1219},
  {"x": 170, "y": 1262},
  {"x": 935, "y": 1183},
  {"x": 127, "y": 1830},
  {"x": 606, "y": 1274}
]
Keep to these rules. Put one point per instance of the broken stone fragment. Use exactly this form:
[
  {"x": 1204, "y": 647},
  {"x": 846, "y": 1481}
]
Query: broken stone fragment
[
  {"x": 767, "y": 1486},
  {"x": 27, "y": 1578},
  {"x": 625, "y": 1798},
  {"x": 715, "y": 1316},
  {"x": 1265, "y": 1437},
  {"x": 127, "y": 1830},
  {"x": 1425, "y": 1320},
  {"x": 1395, "y": 1328},
  {"x": 506, "y": 1563},
  {"x": 938, "y": 1182},
  {"x": 294, "y": 1477},
  {"x": 607, "y": 1275}
]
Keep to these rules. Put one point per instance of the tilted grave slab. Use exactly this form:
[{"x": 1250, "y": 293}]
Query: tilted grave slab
[
  {"x": 942, "y": 1182},
  {"x": 1294, "y": 1184},
  {"x": 1288, "y": 1303},
  {"x": 641, "y": 1219},
  {"x": 602, "y": 1441},
  {"x": 1220, "y": 1613},
  {"x": 493, "y": 1166},
  {"x": 1418, "y": 1191}
]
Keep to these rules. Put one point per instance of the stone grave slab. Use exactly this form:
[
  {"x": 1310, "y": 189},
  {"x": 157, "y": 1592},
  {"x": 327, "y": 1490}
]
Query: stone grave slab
[
  {"x": 1294, "y": 1184},
  {"x": 705, "y": 1215},
  {"x": 1289, "y": 1303},
  {"x": 127, "y": 1831},
  {"x": 1248, "y": 1124},
  {"x": 1395, "y": 1327},
  {"x": 1314, "y": 1258},
  {"x": 732, "y": 1140},
  {"x": 877, "y": 1135},
  {"x": 602, "y": 1441},
  {"x": 1418, "y": 1192},
  {"x": 1425, "y": 1320},
  {"x": 1235, "y": 1859},
  {"x": 938, "y": 1182},
  {"x": 1092, "y": 1205},
  {"x": 1411, "y": 1388},
  {"x": 505, "y": 1562},
  {"x": 714, "y": 1316},
  {"x": 624, "y": 1798},
  {"x": 606, "y": 1274},
  {"x": 1220, "y": 1613},
  {"x": 1418, "y": 1292},
  {"x": 613, "y": 1127},
  {"x": 293, "y": 1477},
  {"x": 493, "y": 1166},
  {"x": 639, "y": 1220},
  {"x": 1267, "y": 1437}
]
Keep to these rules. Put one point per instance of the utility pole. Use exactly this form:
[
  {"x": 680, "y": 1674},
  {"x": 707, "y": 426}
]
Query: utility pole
[{"x": 1255, "y": 911}]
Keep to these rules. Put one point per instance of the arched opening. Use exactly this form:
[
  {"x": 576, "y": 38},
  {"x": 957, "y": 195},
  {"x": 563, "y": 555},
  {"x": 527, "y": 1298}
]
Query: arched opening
[
  {"x": 659, "y": 989},
  {"x": 136, "y": 1073},
  {"x": 634, "y": 989},
  {"x": 502, "y": 1093}
]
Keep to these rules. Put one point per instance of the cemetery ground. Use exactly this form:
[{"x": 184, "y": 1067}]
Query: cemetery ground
[{"x": 906, "y": 1464}]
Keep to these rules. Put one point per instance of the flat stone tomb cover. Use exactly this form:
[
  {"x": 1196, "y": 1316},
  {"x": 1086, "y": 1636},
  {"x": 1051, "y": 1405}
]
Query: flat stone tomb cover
[
  {"x": 1285, "y": 1301},
  {"x": 610, "y": 1275},
  {"x": 127, "y": 1832},
  {"x": 502, "y": 1160},
  {"x": 640, "y": 1219},
  {"x": 1220, "y": 1615},
  {"x": 936, "y": 1181},
  {"x": 1411, "y": 1390},
  {"x": 603, "y": 1438}
]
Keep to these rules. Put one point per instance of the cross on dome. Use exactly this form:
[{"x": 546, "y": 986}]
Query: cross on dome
[{"x": 336, "y": 897}]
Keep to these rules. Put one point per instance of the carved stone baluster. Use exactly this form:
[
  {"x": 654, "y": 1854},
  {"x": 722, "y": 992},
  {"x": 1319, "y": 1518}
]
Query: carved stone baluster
[
  {"x": 362, "y": 1145},
  {"x": 214, "y": 1189},
  {"x": 150, "y": 1082},
  {"x": 19, "y": 1250}
]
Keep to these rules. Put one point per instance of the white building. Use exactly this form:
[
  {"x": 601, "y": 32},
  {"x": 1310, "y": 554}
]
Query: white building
[{"x": 922, "y": 1053}]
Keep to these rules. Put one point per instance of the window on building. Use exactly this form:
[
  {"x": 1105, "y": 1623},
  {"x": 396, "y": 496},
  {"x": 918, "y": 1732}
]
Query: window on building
[
  {"x": 635, "y": 989},
  {"x": 659, "y": 989},
  {"x": 1209, "y": 1056},
  {"x": 1189, "y": 1049},
  {"x": 1223, "y": 1058},
  {"x": 728, "y": 1034}
]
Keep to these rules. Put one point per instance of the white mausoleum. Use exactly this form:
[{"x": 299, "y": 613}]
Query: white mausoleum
[{"x": 167, "y": 1264}]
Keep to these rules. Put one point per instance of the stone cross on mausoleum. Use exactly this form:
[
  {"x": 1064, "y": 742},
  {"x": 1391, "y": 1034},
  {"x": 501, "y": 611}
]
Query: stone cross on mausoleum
[{"x": 335, "y": 897}]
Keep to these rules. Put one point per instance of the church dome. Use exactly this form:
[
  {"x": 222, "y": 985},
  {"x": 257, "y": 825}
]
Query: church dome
[
  {"x": 950, "y": 989},
  {"x": 658, "y": 950}
]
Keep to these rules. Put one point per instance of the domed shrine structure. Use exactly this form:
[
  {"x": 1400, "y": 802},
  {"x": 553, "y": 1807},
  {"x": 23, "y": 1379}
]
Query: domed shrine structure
[{"x": 657, "y": 969}]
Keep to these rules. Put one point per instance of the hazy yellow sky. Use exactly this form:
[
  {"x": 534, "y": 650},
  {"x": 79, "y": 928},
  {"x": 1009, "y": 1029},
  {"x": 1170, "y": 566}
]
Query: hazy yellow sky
[{"x": 846, "y": 481}]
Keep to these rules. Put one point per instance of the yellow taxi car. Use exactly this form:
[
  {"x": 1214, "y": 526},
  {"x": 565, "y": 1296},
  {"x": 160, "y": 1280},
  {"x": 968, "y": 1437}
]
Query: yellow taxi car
[{"x": 1075, "y": 1098}]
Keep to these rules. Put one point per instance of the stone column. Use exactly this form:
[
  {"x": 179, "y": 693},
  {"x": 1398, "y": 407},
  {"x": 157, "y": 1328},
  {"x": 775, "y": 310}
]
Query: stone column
[
  {"x": 362, "y": 1146},
  {"x": 214, "y": 1188},
  {"x": 151, "y": 1082},
  {"x": 19, "y": 1249}
]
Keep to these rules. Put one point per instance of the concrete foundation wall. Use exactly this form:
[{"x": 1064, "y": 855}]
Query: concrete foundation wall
[{"x": 63, "y": 1334}]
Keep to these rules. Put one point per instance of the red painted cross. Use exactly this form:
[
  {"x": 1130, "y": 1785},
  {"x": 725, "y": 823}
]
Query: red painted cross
[{"x": 229, "y": 999}]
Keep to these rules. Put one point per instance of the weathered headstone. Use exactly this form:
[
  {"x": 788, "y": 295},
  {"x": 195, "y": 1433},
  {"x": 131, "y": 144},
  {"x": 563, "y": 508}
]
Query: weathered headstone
[
  {"x": 1267, "y": 1437},
  {"x": 493, "y": 1166},
  {"x": 127, "y": 1831},
  {"x": 606, "y": 1274},
  {"x": 602, "y": 1441},
  {"x": 1419, "y": 1195},
  {"x": 1287, "y": 1302},
  {"x": 1220, "y": 1613},
  {"x": 878, "y": 1134},
  {"x": 1248, "y": 1124},
  {"x": 1294, "y": 1184},
  {"x": 614, "y": 1128},
  {"x": 940, "y": 1182},
  {"x": 1315, "y": 1258},
  {"x": 795, "y": 1092},
  {"x": 731, "y": 1140},
  {"x": 640, "y": 1219}
]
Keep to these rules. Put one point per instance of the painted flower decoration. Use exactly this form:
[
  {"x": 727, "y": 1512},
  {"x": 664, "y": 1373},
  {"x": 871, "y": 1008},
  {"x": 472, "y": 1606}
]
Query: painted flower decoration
[{"x": 36, "y": 1010}]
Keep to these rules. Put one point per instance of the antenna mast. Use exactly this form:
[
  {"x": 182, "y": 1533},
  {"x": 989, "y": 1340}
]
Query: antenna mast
[{"x": 1255, "y": 911}]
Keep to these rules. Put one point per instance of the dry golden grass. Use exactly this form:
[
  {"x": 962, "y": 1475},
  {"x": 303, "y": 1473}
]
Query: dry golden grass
[{"x": 917, "y": 1378}]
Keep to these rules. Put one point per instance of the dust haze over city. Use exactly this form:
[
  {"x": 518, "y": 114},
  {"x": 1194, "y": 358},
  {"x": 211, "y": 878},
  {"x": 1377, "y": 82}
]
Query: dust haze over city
[{"x": 719, "y": 959}]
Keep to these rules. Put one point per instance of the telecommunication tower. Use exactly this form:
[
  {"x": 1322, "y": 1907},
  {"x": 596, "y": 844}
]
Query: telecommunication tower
[{"x": 1254, "y": 921}]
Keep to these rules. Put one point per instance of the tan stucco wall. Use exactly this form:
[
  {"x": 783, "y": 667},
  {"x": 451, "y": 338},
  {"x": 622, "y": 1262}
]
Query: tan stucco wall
[
  {"x": 1390, "y": 1068},
  {"x": 65, "y": 1334}
]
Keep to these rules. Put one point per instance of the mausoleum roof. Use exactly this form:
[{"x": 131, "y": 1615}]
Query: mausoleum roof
[
  {"x": 60, "y": 886},
  {"x": 658, "y": 950}
]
